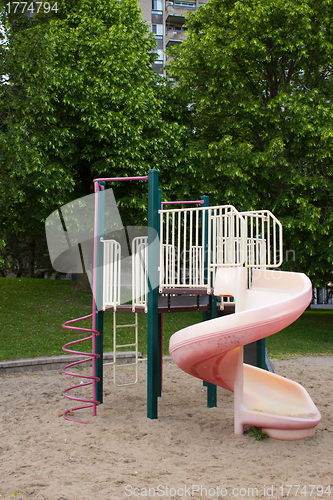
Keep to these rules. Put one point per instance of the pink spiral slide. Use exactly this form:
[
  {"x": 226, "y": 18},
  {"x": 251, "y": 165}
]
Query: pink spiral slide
[{"x": 213, "y": 351}]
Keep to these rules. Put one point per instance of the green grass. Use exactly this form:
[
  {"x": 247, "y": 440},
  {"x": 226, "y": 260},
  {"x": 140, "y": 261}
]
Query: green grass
[
  {"x": 310, "y": 335},
  {"x": 32, "y": 312}
]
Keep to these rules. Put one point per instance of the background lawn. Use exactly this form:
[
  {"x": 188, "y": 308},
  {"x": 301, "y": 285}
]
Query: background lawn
[
  {"x": 311, "y": 334},
  {"x": 33, "y": 310}
]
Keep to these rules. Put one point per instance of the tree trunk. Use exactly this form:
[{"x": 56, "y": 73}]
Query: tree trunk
[
  {"x": 20, "y": 270},
  {"x": 82, "y": 282},
  {"x": 32, "y": 252}
]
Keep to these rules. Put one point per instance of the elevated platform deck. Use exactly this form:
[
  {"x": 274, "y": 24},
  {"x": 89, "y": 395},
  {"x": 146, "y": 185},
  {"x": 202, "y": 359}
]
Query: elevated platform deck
[{"x": 179, "y": 300}]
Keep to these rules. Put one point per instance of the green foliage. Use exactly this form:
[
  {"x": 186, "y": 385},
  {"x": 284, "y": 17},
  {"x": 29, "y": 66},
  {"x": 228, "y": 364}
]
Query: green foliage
[
  {"x": 258, "y": 75},
  {"x": 4, "y": 263},
  {"x": 80, "y": 98},
  {"x": 79, "y": 101},
  {"x": 258, "y": 433}
]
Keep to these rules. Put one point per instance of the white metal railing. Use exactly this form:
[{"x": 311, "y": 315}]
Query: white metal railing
[
  {"x": 139, "y": 272},
  {"x": 182, "y": 239},
  {"x": 228, "y": 242},
  {"x": 111, "y": 273},
  {"x": 194, "y": 241},
  {"x": 264, "y": 239}
]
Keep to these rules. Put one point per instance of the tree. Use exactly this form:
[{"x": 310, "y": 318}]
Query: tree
[
  {"x": 80, "y": 100},
  {"x": 257, "y": 77}
]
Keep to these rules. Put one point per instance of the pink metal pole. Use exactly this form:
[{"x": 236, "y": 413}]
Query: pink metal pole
[
  {"x": 115, "y": 179},
  {"x": 96, "y": 190}
]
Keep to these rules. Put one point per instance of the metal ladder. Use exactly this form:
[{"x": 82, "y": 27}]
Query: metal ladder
[
  {"x": 111, "y": 296},
  {"x": 117, "y": 366}
]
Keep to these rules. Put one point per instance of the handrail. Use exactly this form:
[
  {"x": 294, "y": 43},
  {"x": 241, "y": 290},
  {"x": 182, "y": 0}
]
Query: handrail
[{"x": 116, "y": 179}]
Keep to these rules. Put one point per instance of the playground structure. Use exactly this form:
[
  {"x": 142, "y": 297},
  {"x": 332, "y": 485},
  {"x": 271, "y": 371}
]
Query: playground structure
[{"x": 189, "y": 257}]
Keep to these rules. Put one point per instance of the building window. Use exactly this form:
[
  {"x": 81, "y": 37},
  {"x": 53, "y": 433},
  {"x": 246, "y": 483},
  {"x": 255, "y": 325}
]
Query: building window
[
  {"x": 157, "y": 4},
  {"x": 157, "y": 29},
  {"x": 184, "y": 4},
  {"x": 159, "y": 54}
]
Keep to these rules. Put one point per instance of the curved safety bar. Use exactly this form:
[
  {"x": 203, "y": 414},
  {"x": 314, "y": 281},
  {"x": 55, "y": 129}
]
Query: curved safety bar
[{"x": 90, "y": 357}]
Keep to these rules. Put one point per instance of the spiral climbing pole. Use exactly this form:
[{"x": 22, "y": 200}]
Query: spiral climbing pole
[{"x": 89, "y": 357}]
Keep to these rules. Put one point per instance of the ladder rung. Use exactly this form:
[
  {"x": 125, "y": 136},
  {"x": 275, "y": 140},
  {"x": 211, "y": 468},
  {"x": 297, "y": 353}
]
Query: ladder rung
[
  {"x": 125, "y": 345},
  {"x": 124, "y": 364},
  {"x": 125, "y": 326},
  {"x": 123, "y": 385}
]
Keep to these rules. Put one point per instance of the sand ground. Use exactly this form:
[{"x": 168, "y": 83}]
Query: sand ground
[{"x": 190, "y": 451}]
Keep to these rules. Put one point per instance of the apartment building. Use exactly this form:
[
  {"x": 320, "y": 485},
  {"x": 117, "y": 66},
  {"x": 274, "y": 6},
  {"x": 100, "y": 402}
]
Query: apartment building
[{"x": 167, "y": 21}]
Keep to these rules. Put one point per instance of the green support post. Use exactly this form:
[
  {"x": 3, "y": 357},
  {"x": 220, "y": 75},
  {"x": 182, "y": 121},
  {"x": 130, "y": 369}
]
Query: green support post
[
  {"x": 99, "y": 361},
  {"x": 159, "y": 362},
  {"x": 211, "y": 388},
  {"x": 261, "y": 361},
  {"x": 99, "y": 294},
  {"x": 154, "y": 352}
]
